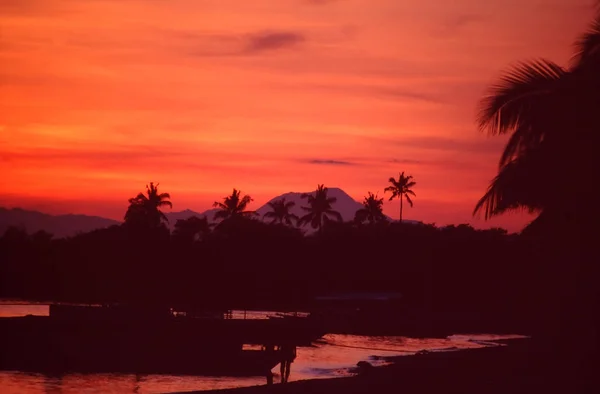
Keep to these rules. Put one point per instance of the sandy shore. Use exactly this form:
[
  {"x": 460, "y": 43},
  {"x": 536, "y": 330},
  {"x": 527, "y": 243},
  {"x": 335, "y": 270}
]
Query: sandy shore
[{"x": 516, "y": 368}]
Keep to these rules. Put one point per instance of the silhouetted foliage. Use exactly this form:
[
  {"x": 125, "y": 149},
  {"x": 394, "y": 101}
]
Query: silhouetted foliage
[
  {"x": 192, "y": 229},
  {"x": 401, "y": 188},
  {"x": 280, "y": 212},
  {"x": 249, "y": 263},
  {"x": 144, "y": 210},
  {"x": 233, "y": 206},
  {"x": 549, "y": 166},
  {"x": 319, "y": 209},
  {"x": 372, "y": 210},
  {"x": 550, "y": 112}
]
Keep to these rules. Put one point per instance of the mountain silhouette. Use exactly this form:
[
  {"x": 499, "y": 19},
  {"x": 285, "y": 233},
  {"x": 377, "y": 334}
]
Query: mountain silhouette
[
  {"x": 59, "y": 225},
  {"x": 345, "y": 205},
  {"x": 69, "y": 225}
]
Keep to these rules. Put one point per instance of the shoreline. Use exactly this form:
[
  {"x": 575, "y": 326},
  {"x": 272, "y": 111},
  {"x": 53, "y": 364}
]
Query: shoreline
[{"x": 514, "y": 367}]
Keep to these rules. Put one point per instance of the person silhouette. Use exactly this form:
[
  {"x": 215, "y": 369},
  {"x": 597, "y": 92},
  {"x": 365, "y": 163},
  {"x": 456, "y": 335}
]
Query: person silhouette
[{"x": 288, "y": 355}]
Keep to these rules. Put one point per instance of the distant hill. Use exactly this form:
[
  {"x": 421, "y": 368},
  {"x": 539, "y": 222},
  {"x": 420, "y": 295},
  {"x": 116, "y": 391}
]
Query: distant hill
[
  {"x": 345, "y": 204},
  {"x": 68, "y": 225},
  {"x": 59, "y": 225}
]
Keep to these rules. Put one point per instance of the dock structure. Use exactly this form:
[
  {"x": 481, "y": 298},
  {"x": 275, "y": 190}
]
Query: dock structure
[{"x": 149, "y": 340}]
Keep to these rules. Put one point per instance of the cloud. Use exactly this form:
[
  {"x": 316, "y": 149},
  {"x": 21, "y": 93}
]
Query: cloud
[
  {"x": 220, "y": 45},
  {"x": 331, "y": 162},
  {"x": 458, "y": 23},
  {"x": 471, "y": 145},
  {"x": 441, "y": 163},
  {"x": 275, "y": 40},
  {"x": 406, "y": 161},
  {"x": 396, "y": 93},
  {"x": 402, "y": 93}
]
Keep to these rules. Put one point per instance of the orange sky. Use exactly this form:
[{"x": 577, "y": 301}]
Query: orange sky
[{"x": 99, "y": 97}]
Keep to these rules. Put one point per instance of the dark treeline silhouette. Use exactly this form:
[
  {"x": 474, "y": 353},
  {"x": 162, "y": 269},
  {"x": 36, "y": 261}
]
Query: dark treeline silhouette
[{"x": 471, "y": 279}]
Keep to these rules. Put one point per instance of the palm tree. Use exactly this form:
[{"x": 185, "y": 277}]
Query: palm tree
[
  {"x": 192, "y": 229},
  {"x": 145, "y": 209},
  {"x": 550, "y": 166},
  {"x": 550, "y": 113},
  {"x": 401, "y": 188},
  {"x": 319, "y": 208},
  {"x": 372, "y": 210},
  {"x": 280, "y": 212},
  {"x": 233, "y": 206}
]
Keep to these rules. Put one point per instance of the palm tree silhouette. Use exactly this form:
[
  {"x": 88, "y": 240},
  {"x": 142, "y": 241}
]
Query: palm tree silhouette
[
  {"x": 372, "y": 210},
  {"x": 550, "y": 113},
  {"x": 280, "y": 212},
  {"x": 401, "y": 188},
  {"x": 192, "y": 229},
  {"x": 233, "y": 206},
  {"x": 144, "y": 209},
  {"x": 319, "y": 208}
]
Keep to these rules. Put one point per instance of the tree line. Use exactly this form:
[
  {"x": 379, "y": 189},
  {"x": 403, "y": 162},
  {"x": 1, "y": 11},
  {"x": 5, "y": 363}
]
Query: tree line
[{"x": 144, "y": 210}]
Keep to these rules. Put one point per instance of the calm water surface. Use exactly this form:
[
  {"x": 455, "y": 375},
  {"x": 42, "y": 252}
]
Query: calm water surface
[{"x": 332, "y": 356}]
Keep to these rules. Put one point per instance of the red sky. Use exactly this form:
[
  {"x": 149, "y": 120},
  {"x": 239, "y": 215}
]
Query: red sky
[{"x": 99, "y": 97}]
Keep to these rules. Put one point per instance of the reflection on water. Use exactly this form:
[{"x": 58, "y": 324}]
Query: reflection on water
[
  {"x": 23, "y": 310},
  {"x": 332, "y": 356}
]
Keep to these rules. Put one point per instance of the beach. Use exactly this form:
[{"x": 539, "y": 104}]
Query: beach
[{"x": 514, "y": 368}]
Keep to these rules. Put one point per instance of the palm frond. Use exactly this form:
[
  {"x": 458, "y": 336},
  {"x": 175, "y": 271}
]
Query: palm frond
[
  {"x": 588, "y": 46},
  {"x": 293, "y": 217},
  {"x": 410, "y": 192},
  {"x": 163, "y": 216},
  {"x": 244, "y": 202},
  {"x": 520, "y": 140},
  {"x": 517, "y": 185},
  {"x": 165, "y": 204},
  {"x": 408, "y": 199},
  {"x": 141, "y": 197},
  {"x": 335, "y": 214},
  {"x": 220, "y": 205},
  {"x": 305, "y": 219},
  {"x": 221, "y": 215},
  {"x": 510, "y": 101}
]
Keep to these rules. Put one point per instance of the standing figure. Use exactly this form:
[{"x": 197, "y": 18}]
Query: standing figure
[{"x": 288, "y": 355}]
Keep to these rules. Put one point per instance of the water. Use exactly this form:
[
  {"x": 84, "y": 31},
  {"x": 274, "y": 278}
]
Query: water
[{"x": 332, "y": 356}]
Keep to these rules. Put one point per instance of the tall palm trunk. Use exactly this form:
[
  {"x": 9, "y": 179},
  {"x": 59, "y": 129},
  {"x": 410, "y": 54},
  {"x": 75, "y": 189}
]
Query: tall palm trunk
[{"x": 401, "y": 197}]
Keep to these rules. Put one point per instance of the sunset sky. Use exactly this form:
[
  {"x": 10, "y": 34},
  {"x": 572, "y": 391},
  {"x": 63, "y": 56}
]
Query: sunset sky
[{"x": 99, "y": 97}]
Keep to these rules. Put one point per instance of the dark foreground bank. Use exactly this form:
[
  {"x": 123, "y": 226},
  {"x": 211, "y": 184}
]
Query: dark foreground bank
[{"x": 516, "y": 368}]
